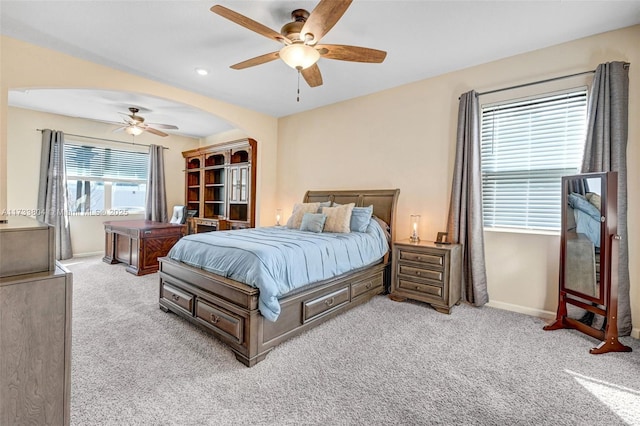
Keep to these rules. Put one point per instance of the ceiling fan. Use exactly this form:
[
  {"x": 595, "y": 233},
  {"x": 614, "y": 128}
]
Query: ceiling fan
[
  {"x": 301, "y": 50},
  {"x": 135, "y": 125}
]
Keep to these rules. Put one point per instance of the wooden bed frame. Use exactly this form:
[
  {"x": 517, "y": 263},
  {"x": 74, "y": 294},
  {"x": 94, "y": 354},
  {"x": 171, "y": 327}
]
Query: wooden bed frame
[{"x": 228, "y": 309}]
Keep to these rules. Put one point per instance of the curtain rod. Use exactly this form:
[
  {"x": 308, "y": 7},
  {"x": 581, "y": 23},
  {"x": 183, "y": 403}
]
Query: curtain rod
[
  {"x": 103, "y": 139},
  {"x": 626, "y": 66}
]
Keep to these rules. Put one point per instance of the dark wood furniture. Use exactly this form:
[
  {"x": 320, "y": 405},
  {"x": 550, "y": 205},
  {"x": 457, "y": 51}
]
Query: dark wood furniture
[
  {"x": 35, "y": 327},
  {"x": 229, "y": 309},
  {"x": 428, "y": 272},
  {"x": 595, "y": 292},
  {"x": 139, "y": 243},
  {"x": 220, "y": 183}
]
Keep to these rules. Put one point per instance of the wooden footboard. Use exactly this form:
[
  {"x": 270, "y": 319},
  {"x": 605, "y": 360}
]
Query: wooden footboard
[{"x": 229, "y": 309}]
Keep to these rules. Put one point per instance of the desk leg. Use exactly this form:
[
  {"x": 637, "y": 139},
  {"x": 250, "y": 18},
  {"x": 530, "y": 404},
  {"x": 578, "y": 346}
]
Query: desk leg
[{"x": 109, "y": 247}]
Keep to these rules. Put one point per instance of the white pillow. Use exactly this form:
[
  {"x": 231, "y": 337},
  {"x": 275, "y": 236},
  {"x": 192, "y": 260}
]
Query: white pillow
[
  {"x": 299, "y": 209},
  {"x": 338, "y": 218}
]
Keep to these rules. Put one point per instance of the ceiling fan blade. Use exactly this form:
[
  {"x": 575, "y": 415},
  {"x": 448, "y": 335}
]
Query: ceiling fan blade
[
  {"x": 163, "y": 126},
  {"x": 351, "y": 53},
  {"x": 312, "y": 76},
  {"x": 155, "y": 131},
  {"x": 258, "y": 60},
  {"x": 323, "y": 18},
  {"x": 249, "y": 24}
]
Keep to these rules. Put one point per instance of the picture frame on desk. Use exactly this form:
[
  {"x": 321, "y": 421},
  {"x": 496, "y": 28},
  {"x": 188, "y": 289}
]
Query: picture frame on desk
[{"x": 441, "y": 238}]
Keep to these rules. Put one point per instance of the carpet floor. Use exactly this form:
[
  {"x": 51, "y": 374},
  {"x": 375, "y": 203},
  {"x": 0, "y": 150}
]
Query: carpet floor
[{"x": 392, "y": 364}]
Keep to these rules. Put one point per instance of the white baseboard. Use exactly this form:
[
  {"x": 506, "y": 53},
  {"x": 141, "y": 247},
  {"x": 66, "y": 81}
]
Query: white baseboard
[
  {"x": 635, "y": 332},
  {"x": 522, "y": 310},
  {"x": 95, "y": 253}
]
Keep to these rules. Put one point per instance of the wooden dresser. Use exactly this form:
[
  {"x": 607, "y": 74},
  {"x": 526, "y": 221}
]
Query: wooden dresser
[
  {"x": 139, "y": 243},
  {"x": 427, "y": 272},
  {"x": 35, "y": 327}
]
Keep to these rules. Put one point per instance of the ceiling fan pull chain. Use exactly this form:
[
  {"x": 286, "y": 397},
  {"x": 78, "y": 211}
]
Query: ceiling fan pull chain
[{"x": 298, "y": 98}]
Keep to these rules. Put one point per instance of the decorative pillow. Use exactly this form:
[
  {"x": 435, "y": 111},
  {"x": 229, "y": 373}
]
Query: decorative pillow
[
  {"x": 595, "y": 200},
  {"x": 587, "y": 217},
  {"x": 299, "y": 209},
  {"x": 360, "y": 217},
  {"x": 313, "y": 222},
  {"x": 338, "y": 218},
  {"x": 323, "y": 204},
  {"x": 385, "y": 227}
]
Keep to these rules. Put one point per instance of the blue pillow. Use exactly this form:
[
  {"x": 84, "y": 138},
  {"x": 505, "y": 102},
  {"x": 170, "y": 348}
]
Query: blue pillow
[
  {"x": 313, "y": 222},
  {"x": 587, "y": 217},
  {"x": 360, "y": 218}
]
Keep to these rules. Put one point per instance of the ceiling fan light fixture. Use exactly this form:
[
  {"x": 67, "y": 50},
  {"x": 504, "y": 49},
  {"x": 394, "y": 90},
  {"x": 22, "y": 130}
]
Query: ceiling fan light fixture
[
  {"x": 133, "y": 130},
  {"x": 299, "y": 56}
]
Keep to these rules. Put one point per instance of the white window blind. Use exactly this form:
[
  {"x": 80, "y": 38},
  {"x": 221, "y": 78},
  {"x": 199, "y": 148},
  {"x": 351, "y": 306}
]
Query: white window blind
[
  {"x": 527, "y": 146},
  {"x": 106, "y": 163}
]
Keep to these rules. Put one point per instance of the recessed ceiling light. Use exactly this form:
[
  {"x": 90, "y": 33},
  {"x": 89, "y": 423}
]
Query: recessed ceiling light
[{"x": 202, "y": 71}]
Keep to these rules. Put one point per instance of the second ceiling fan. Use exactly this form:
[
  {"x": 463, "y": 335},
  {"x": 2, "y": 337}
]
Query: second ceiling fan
[{"x": 300, "y": 38}]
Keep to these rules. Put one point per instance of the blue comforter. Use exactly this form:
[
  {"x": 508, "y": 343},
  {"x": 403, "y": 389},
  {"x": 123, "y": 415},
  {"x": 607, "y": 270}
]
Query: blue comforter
[{"x": 277, "y": 260}]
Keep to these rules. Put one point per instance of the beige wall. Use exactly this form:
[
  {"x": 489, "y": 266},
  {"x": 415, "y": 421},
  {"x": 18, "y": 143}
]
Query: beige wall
[
  {"x": 404, "y": 138},
  {"x": 23, "y": 65},
  {"x": 23, "y": 169},
  {"x": 400, "y": 138}
]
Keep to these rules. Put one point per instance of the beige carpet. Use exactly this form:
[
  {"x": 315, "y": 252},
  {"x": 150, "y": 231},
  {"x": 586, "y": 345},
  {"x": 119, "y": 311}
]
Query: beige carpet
[{"x": 394, "y": 363}]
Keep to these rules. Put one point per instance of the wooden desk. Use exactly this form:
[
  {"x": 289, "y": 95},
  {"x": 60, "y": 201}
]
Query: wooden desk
[{"x": 139, "y": 243}]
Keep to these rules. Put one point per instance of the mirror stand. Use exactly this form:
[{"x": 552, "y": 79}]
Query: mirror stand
[{"x": 588, "y": 249}]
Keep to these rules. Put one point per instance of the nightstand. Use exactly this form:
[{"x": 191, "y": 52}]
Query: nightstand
[{"x": 427, "y": 272}]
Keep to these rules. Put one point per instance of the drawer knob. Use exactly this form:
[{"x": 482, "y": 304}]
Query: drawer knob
[
  {"x": 419, "y": 258},
  {"x": 368, "y": 286},
  {"x": 214, "y": 318},
  {"x": 329, "y": 302},
  {"x": 175, "y": 297},
  {"x": 417, "y": 287},
  {"x": 417, "y": 272}
]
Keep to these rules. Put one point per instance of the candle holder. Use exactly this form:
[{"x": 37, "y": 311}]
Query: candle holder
[
  {"x": 278, "y": 216},
  {"x": 415, "y": 223}
]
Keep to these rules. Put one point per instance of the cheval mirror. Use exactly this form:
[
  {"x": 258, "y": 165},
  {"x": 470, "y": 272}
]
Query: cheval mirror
[{"x": 588, "y": 249}]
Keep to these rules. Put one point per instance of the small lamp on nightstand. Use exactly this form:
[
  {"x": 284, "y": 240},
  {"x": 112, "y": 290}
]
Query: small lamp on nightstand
[
  {"x": 278, "y": 216},
  {"x": 415, "y": 223}
]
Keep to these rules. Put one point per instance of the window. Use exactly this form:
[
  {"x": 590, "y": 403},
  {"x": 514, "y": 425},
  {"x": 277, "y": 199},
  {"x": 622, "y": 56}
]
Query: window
[
  {"x": 101, "y": 178},
  {"x": 527, "y": 146}
]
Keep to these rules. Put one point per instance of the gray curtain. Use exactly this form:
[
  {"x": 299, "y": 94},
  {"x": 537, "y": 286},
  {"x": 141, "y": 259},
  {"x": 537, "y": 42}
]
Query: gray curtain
[
  {"x": 52, "y": 191},
  {"x": 156, "y": 199},
  {"x": 606, "y": 150},
  {"x": 465, "y": 209}
]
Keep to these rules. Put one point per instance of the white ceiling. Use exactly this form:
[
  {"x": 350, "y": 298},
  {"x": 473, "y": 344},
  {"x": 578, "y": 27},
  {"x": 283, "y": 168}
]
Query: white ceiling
[{"x": 166, "y": 40}]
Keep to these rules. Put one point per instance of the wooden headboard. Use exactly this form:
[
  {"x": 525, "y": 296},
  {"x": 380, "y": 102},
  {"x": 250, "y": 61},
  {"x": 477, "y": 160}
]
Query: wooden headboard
[{"x": 384, "y": 201}]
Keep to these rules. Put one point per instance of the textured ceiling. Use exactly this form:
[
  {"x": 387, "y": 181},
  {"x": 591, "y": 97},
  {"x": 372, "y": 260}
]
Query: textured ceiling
[{"x": 166, "y": 40}]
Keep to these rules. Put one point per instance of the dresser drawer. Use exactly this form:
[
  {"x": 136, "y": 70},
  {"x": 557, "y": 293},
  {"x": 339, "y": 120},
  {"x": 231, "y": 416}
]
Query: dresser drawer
[
  {"x": 432, "y": 259},
  {"x": 419, "y": 287},
  {"x": 365, "y": 285},
  {"x": 321, "y": 305},
  {"x": 178, "y": 297},
  {"x": 412, "y": 271},
  {"x": 158, "y": 232},
  {"x": 220, "y": 320}
]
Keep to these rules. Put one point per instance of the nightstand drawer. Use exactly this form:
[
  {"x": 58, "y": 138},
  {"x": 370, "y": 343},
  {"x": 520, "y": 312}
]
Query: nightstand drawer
[
  {"x": 420, "y": 287},
  {"x": 433, "y": 259},
  {"x": 412, "y": 271}
]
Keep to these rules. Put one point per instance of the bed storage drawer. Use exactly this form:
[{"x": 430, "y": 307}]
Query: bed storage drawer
[
  {"x": 178, "y": 297},
  {"x": 220, "y": 320},
  {"x": 364, "y": 286},
  {"x": 321, "y": 305}
]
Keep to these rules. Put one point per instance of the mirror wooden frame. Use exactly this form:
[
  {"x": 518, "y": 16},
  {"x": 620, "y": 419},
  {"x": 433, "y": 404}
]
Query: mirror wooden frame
[{"x": 605, "y": 301}]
